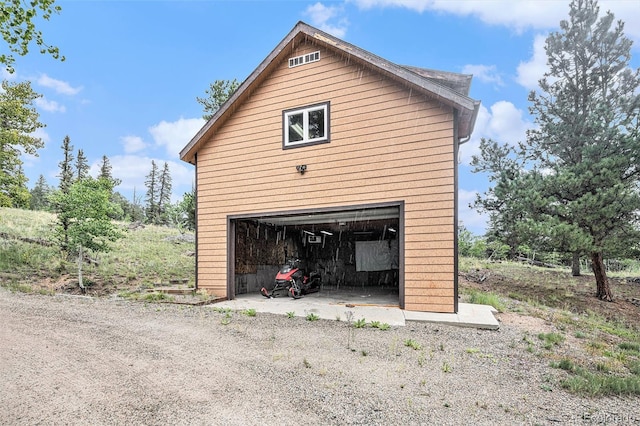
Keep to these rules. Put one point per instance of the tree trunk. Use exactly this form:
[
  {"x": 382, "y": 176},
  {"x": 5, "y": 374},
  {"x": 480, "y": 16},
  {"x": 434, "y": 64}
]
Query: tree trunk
[
  {"x": 602, "y": 283},
  {"x": 575, "y": 264},
  {"x": 80, "y": 255}
]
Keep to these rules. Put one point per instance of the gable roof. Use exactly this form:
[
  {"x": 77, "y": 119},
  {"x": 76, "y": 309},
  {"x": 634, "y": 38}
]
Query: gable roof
[{"x": 449, "y": 88}]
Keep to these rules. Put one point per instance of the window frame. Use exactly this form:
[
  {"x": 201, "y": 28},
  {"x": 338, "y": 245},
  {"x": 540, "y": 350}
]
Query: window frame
[{"x": 286, "y": 144}]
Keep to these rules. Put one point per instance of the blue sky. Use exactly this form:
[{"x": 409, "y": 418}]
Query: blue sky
[{"x": 133, "y": 69}]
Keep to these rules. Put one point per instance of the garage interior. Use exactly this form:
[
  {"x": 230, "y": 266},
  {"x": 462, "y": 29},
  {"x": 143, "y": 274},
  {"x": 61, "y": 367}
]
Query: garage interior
[{"x": 356, "y": 252}]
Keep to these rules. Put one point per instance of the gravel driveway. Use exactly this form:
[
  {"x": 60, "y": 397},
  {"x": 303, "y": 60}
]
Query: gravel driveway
[{"x": 70, "y": 360}]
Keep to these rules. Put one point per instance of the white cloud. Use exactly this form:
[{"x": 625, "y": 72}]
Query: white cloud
[
  {"x": 533, "y": 70},
  {"x": 471, "y": 219},
  {"x": 175, "y": 135},
  {"x": 50, "y": 106},
  {"x": 504, "y": 123},
  {"x": 518, "y": 15},
  {"x": 133, "y": 144},
  {"x": 484, "y": 73},
  {"x": 320, "y": 15},
  {"x": 59, "y": 86}
]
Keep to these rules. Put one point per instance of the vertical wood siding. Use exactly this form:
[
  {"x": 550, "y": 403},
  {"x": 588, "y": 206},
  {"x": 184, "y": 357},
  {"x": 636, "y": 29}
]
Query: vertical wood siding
[{"x": 387, "y": 144}]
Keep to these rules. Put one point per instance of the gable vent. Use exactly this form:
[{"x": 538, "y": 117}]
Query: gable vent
[{"x": 304, "y": 59}]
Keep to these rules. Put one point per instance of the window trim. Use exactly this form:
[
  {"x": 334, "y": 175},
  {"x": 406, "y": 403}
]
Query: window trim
[{"x": 305, "y": 111}]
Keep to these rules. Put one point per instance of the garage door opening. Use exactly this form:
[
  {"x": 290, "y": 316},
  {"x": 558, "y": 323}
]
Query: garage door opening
[{"x": 357, "y": 252}]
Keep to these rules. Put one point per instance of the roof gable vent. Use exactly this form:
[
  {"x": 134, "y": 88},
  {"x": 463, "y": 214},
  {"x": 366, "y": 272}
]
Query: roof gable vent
[{"x": 304, "y": 59}]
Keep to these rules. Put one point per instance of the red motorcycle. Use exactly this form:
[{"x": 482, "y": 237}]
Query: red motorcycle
[{"x": 293, "y": 279}]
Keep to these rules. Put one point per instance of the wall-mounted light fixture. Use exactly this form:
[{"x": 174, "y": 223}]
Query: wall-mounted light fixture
[{"x": 301, "y": 168}]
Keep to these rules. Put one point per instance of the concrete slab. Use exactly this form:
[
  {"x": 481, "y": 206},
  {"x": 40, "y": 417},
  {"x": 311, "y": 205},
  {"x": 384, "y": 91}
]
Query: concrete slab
[{"x": 469, "y": 315}]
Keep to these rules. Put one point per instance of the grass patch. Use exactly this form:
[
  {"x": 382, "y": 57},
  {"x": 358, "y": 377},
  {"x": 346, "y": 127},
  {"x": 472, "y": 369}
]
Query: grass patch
[
  {"x": 249, "y": 312},
  {"x": 630, "y": 346},
  {"x": 551, "y": 339},
  {"x": 587, "y": 383},
  {"x": 156, "y": 296},
  {"x": 487, "y": 298}
]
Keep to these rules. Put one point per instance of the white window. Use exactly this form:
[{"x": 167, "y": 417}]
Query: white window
[
  {"x": 308, "y": 125},
  {"x": 304, "y": 59}
]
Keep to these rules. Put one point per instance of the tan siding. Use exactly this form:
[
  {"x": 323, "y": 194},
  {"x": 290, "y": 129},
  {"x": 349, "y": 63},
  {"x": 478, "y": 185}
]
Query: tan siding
[{"x": 387, "y": 144}]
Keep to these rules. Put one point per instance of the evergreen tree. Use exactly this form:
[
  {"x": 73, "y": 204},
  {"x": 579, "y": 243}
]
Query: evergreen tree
[
  {"x": 66, "y": 166},
  {"x": 40, "y": 195},
  {"x": 82, "y": 166},
  {"x": 18, "y": 122},
  {"x": 586, "y": 146},
  {"x": 66, "y": 177},
  {"x": 153, "y": 191},
  {"x": 575, "y": 181},
  {"x": 105, "y": 172},
  {"x": 217, "y": 94},
  {"x": 164, "y": 193}
]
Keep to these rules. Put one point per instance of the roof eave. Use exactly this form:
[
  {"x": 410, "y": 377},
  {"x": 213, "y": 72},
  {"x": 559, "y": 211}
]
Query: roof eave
[{"x": 467, "y": 107}]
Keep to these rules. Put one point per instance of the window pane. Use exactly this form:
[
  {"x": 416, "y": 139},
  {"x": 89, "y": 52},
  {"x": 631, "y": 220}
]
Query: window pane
[
  {"x": 316, "y": 124},
  {"x": 296, "y": 131}
]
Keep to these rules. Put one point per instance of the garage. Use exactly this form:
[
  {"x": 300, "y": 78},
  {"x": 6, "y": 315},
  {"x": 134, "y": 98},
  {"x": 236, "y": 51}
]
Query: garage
[
  {"x": 342, "y": 159},
  {"x": 355, "y": 251}
]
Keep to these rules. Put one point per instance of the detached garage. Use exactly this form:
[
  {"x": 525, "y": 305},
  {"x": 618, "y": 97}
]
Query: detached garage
[{"x": 329, "y": 154}]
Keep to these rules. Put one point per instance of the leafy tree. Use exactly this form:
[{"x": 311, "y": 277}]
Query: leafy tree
[
  {"x": 18, "y": 122},
  {"x": 40, "y": 195},
  {"x": 217, "y": 94},
  {"x": 82, "y": 166},
  {"x": 86, "y": 212},
  {"x": 19, "y": 30}
]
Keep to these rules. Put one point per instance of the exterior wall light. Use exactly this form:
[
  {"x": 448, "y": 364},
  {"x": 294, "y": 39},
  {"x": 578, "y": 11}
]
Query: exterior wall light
[{"x": 301, "y": 168}]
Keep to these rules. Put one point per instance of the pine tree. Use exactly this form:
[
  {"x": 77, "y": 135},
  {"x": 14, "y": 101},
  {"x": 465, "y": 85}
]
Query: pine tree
[
  {"x": 40, "y": 195},
  {"x": 217, "y": 94},
  {"x": 66, "y": 166},
  {"x": 82, "y": 166},
  {"x": 164, "y": 193},
  {"x": 105, "y": 172},
  {"x": 586, "y": 146},
  {"x": 152, "y": 183},
  {"x": 66, "y": 180}
]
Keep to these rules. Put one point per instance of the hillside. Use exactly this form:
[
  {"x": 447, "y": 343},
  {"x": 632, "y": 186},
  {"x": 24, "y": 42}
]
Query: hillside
[{"x": 147, "y": 257}]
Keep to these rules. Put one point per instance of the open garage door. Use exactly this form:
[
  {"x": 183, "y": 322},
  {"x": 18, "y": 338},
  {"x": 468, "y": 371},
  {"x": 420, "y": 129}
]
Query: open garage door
[{"x": 356, "y": 250}]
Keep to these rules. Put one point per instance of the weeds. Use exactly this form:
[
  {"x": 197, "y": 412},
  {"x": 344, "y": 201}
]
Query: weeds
[
  {"x": 312, "y": 317},
  {"x": 291, "y": 314},
  {"x": 551, "y": 339},
  {"x": 413, "y": 344},
  {"x": 361, "y": 323},
  {"x": 249, "y": 312}
]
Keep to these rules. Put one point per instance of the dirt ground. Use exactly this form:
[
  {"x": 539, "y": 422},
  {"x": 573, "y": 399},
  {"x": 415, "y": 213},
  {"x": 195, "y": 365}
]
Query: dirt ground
[
  {"x": 80, "y": 360},
  {"x": 557, "y": 288}
]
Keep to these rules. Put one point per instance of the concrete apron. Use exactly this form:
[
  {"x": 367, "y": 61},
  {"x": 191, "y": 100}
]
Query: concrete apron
[{"x": 469, "y": 315}]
